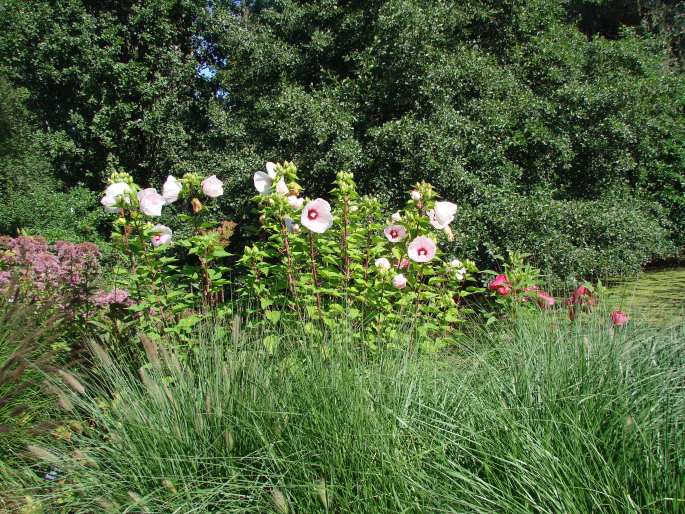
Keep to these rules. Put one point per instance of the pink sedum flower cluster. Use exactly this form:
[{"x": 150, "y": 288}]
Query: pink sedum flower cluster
[
  {"x": 115, "y": 297},
  {"x": 60, "y": 274}
]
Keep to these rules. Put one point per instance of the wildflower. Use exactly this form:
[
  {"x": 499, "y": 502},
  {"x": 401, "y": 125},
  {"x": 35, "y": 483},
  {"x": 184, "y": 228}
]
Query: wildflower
[
  {"x": 171, "y": 189},
  {"x": 212, "y": 187},
  {"x": 545, "y": 300},
  {"x": 619, "y": 318},
  {"x": 500, "y": 285},
  {"x": 264, "y": 181},
  {"x": 316, "y": 216},
  {"x": 442, "y": 214},
  {"x": 421, "y": 249},
  {"x": 116, "y": 194},
  {"x": 295, "y": 202},
  {"x": 395, "y": 233},
  {"x": 498, "y": 281},
  {"x": 503, "y": 290},
  {"x": 396, "y": 216},
  {"x": 151, "y": 202},
  {"x": 399, "y": 281},
  {"x": 382, "y": 264},
  {"x": 582, "y": 296},
  {"x": 162, "y": 235}
]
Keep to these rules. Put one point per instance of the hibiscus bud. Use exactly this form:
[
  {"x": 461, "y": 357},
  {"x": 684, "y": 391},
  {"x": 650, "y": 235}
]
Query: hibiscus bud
[
  {"x": 399, "y": 281},
  {"x": 196, "y": 205},
  {"x": 415, "y": 195},
  {"x": 396, "y": 216},
  {"x": 354, "y": 208},
  {"x": 262, "y": 219},
  {"x": 282, "y": 188},
  {"x": 382, "y": 264},
  {"x": 295, "y": 202},
  {"x": 455, "y": 263}
]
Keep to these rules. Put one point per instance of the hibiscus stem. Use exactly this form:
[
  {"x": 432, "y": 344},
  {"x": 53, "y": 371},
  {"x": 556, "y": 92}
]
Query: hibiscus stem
[
  {"x": 368, "y": 247},
  {"x": 345, "y": 236},
  {"x": 286, "y": 245},
  {"x": 315, "y": 277}
]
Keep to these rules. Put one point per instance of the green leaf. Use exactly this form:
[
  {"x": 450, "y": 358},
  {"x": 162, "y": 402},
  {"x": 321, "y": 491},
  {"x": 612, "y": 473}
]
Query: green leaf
[{"x": 273, "y": 316}]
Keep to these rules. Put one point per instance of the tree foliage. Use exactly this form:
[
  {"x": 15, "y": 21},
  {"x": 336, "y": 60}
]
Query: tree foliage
[{"x": 491, "y": 101}]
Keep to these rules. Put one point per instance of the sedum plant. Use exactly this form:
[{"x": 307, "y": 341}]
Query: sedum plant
[{"x": 327, "y": 262}]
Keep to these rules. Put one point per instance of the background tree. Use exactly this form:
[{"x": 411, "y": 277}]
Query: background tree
[
  {"x": 496, "y": 103},
  {"x": 547, "y": 121},
  {"x": 114, "y": 84}
]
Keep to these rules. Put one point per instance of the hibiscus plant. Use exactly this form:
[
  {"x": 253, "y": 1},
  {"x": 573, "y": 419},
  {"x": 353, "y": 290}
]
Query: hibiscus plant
[
  {"x": 165, "y": 281},
  {"x": 345, "y": 261}
]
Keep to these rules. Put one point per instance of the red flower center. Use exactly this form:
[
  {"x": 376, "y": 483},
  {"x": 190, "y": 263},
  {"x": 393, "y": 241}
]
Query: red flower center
[
  {"x": 422, "y": 252},
  {"x": 394, "y": 234},
  {"x": 312, "y": 214}
]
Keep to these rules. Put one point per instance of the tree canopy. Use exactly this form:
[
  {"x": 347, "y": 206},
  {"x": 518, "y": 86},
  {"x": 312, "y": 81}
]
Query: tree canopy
[{"x": 557, "y": 126}]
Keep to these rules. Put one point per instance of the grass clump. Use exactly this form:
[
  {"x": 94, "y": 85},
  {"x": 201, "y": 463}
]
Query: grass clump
[{"x": 540, "y": 416}]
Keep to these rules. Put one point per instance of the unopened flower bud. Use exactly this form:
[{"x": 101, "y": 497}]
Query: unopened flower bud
[
  {"x": 399, "y": 281},
  {"x": 415, "y": 195},
  {"x": 382, "y": 264},
  {"x": 196, "y": 205}
]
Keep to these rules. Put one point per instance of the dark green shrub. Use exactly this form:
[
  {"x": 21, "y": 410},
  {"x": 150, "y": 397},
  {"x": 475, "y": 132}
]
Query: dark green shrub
[{"x": 570, "y": 239}]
